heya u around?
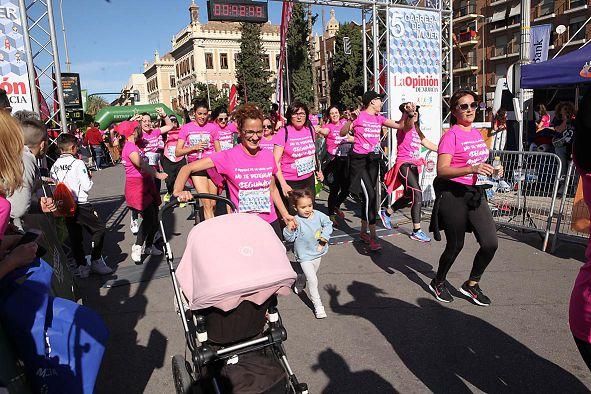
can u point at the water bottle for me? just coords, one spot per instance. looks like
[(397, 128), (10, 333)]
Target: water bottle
[(496, 164)]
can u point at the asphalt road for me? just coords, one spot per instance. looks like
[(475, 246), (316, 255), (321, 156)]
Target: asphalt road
[(384, 332)]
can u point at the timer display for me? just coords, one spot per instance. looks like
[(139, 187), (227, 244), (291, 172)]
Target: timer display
[(237, 11)]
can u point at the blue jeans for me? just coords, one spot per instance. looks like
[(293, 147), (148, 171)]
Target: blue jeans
[(98, 155)]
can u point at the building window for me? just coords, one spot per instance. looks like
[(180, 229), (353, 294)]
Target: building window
[(192, 63), (266, 60), (209, 61), (574, 25), (546, 7), (224, 61), (577, 3), (277, 60), (236, 55), (172, 81)]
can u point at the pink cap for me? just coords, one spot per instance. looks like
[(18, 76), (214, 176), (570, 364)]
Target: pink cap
[(126, 128)]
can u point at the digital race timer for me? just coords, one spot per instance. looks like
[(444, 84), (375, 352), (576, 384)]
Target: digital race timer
[(237, 11)]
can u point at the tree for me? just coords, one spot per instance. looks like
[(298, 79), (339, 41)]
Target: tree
[(252, 68), (95, 104), (215, 97), (347, 70), (298, 56)]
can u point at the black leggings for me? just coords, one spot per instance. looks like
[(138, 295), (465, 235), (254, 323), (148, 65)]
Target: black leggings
[(339, 188), (585, 350), (413, 196), (457, 218), (172, 170), (364, 176), (149, 226)]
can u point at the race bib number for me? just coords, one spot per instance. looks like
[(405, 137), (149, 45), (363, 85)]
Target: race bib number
[(225, 145), (343, 149), (305, 165), (171, 152), (194, 139), (254, 201), (376, 149), (152, 158)]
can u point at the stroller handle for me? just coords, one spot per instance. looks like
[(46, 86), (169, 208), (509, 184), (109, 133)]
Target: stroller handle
[(174, 202)]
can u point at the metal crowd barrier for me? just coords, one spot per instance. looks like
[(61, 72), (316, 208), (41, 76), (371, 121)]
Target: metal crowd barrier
[(525, 197), (569, 210)]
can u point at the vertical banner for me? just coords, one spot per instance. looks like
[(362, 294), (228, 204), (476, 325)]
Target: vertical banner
[(285, 18), (414, 74), (13, 62), (540, 42)]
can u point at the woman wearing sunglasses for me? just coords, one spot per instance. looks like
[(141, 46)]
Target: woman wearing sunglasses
[(268, 140), (248, 171), (461, 204), (224, 130)]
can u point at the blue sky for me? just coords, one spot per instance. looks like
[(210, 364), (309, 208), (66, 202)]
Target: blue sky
[(108, 41)]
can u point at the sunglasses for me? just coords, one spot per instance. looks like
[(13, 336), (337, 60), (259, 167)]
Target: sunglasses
[(223, 119), (265, 126), (464, 107)]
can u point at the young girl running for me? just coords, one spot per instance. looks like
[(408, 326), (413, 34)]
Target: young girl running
[(310, 239)]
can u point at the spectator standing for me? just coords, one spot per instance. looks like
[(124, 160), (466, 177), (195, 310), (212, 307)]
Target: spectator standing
[(94, 139)]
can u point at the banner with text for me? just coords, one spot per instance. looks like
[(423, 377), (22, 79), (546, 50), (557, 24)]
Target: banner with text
[(414, 73), (13, 64), (540, 42)]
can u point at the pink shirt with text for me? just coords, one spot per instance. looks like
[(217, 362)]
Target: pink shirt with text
[(192, 134), (268, 144), (409, 146), (225, 136), (170, 147), (334, 141), (298, 161), (131, 171), (366, 133), (152, 140), (249, 179), (467, 148)]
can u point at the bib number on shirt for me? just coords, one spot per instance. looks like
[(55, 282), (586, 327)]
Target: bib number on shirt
[(171, 151), (194, 139), (376, 149), (258, 200), (305, 165), (343, 149), (225, 145), (152, 158)]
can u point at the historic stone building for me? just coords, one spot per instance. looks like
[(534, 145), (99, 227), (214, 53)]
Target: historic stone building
[(161, 80)]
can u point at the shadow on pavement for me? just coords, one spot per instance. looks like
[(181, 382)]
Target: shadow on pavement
[(445, 348), (344, 381)]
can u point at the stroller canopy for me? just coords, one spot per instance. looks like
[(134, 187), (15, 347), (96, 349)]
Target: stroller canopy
[(232, 258)]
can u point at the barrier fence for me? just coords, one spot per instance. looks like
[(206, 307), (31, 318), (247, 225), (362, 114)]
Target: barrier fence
[(572, 222), (524, 198)]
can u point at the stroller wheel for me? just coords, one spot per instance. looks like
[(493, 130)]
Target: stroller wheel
[(183, 382)]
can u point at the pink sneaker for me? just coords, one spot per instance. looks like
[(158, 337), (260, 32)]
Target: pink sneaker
[(374, 246), (365, 238)]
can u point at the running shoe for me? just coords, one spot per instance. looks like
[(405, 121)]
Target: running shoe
[(475, 294), (339, 213), (420, 236), (319, 311), (134, 226), (300, 284), (82, 271), (374, 245), (365, 237), (440, 291), (100, 267), (386, 220), (136, 253), (153, 251)]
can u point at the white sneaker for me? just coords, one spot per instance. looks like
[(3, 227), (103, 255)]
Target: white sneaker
[(319, 311), (153, 251), (134, 226), (136, 253), (82, 271), (100, 267)]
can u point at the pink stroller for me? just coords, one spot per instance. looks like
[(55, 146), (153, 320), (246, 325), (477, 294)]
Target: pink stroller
[(226, 288)]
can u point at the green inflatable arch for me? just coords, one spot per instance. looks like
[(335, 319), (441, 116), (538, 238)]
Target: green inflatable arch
[(108, 115)]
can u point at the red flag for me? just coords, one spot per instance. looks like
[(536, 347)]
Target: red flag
[(232, 99)]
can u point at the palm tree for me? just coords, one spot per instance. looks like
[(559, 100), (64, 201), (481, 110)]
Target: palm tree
[(95, 104)]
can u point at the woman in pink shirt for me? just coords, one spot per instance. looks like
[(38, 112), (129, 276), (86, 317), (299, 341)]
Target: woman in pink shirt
[(171, 164), (268, 140), (196, 142), (224, 130), (140, 190), (336, 165), (152, 141), (580, 299), (366, 159), (461, 204), (248, 170)]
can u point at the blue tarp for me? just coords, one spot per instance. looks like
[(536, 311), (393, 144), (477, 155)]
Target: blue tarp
[(574, 68)]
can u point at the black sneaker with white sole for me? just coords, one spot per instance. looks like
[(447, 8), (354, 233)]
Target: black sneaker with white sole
[(300, 284), (475, 294), (440, 291)]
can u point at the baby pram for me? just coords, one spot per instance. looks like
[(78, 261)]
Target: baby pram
[(226, 284)]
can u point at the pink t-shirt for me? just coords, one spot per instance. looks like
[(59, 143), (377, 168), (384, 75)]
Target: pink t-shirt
[(170, 147), (131, 171), (192, 134), (249, 180), (335, 144), (224, 136), (152, 140), (409, 146), (467, 148), (4, 215), (268, 144), (298, 161), (366, 133), (545, 120), (313, 120), (579, 313)]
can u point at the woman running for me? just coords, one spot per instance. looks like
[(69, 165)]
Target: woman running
[(152, 141), (223, 138), (268, 140), (196, 142), (460, 204), (171, 164), (365, 160), (248, 170), (409, 138), (336, 163), (295, 152)]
